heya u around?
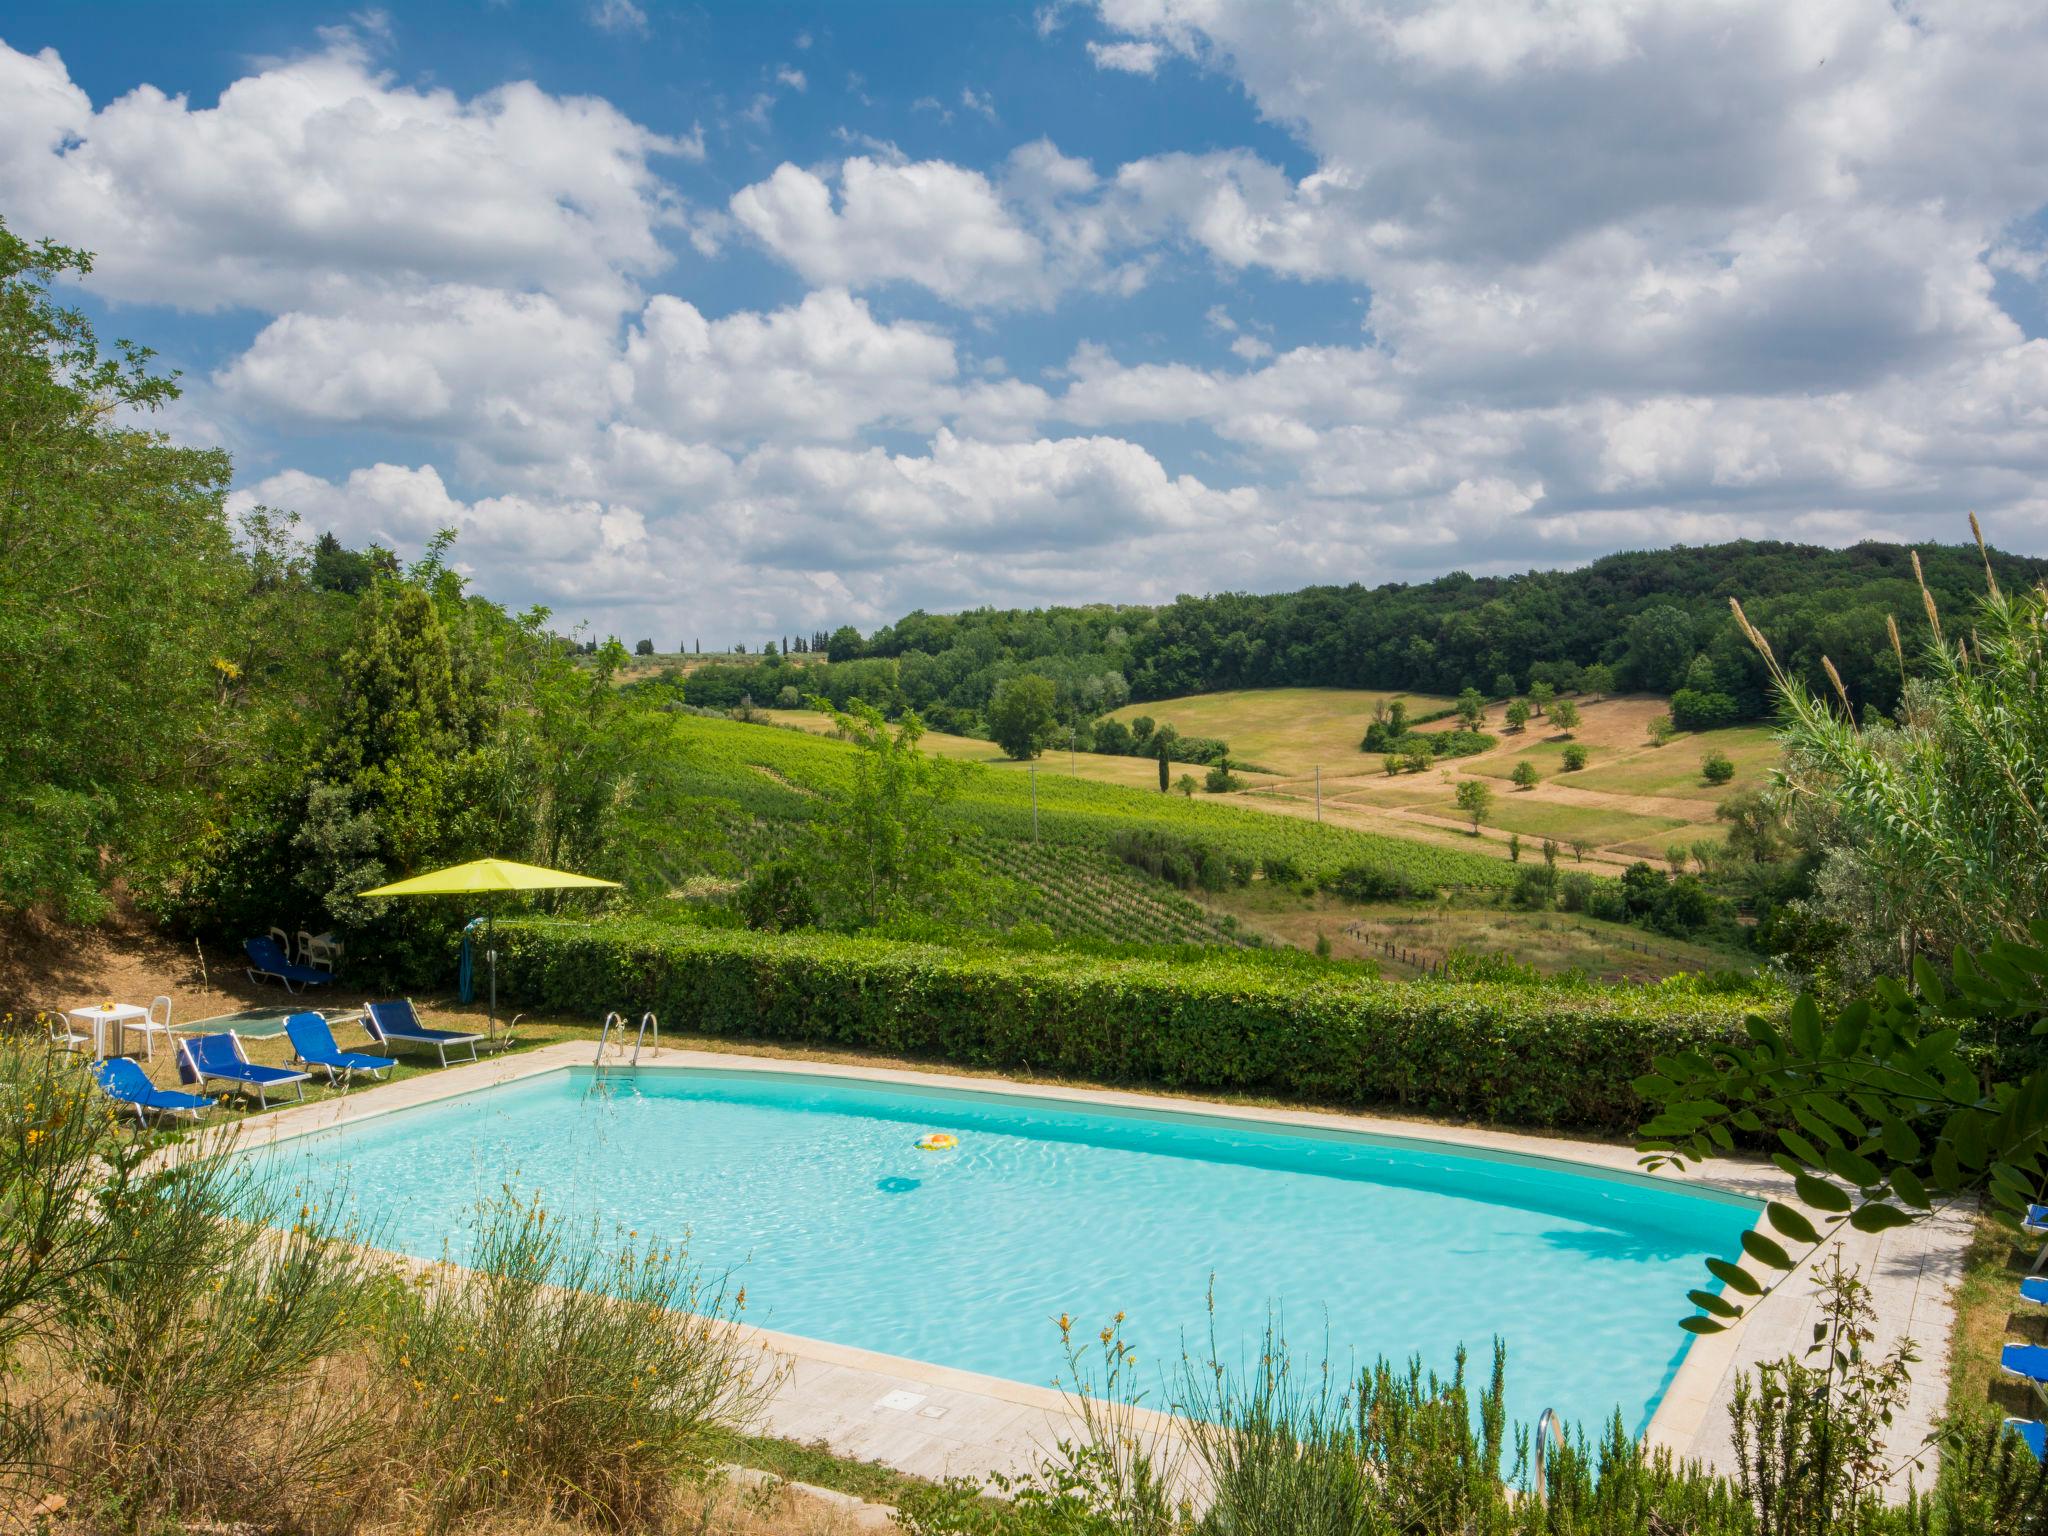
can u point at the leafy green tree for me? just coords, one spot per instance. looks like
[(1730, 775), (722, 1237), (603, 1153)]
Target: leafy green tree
[(1574, 757), (1113, 737), (1504, 685), (1661, 730), (120, 570), (1514, 847), (1564, 714), (337, 568), (1716, 766), (883, 849), (1525, 775), (1518, 714), (1164, 770), (1417, 759), (643, 647), (1597, 680), (1186, 785), (1660, 648), (1933, 824), (1540, 695), (1475, 799), (845, 644), (776, 900), (1471, 708), (1022, 715), (1903, 1101)]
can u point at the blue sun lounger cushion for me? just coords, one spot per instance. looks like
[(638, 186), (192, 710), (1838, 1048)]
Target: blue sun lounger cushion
[(220, 1058), (313, 1045), (267, 958), (126, 1083), (2031, 1433), (395, 1021)]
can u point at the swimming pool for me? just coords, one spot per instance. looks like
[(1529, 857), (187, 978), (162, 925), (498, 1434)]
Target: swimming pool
[(812, 1191)]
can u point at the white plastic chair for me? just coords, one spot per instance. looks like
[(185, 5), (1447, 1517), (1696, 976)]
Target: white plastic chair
[(158, 1023), (284, 941), (322, 950), (304, 954), (64, 1032)]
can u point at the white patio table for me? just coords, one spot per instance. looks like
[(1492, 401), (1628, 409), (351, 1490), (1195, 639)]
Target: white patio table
[(100, 1016)]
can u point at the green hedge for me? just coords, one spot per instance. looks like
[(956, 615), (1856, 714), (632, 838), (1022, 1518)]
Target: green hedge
[(1234, 1023)]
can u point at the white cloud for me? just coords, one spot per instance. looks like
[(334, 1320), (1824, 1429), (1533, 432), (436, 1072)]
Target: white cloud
[(983, 102), (929, 222), (619, 16), (1128, 58), (792, 77), (317, 173)]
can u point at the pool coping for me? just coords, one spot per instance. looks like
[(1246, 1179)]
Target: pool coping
[(934, 1420)]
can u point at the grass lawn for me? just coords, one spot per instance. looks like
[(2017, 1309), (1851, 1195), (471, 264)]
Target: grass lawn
[(1675, 769), (1289, 730), (1988, 1317), (1551, 942), (1547, 753), (1596, 826), (1131, 772)]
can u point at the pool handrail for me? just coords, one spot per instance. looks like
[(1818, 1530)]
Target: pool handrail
[(647, 1021)]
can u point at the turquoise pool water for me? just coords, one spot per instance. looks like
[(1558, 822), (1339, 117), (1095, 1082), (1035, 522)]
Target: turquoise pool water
[(812, 1192)]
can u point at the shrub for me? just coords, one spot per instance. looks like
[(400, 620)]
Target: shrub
[(776, 899), (580, 1377), (1535, 886), (1221, 781), (1225, 1021), (1280, 869), (1575, 892), (1369, 882), (211, 1359), (1694, 710), (1661, 730), (1574, 757), (1717, 767)]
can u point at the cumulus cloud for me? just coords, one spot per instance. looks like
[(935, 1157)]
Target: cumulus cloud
[(927, 222), (318, 172), (1128, 58), (1595, 276)]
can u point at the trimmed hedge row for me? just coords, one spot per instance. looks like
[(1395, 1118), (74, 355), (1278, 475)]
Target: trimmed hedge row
[(1233, 1023)]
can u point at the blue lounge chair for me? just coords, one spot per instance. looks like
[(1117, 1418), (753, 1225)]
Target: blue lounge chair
[(2026, 1362), (126, 1083), (396, 1023), (313, 1046), (2035, 1289), (220, 1058), (267, 958), (2031, 1433)]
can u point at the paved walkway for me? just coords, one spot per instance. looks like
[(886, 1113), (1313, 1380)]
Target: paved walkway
[(934, 1421)]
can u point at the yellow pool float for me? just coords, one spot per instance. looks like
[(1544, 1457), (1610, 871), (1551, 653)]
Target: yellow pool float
[(937, 1141)]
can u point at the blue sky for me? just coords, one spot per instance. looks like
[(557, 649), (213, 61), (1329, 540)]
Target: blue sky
[(732, 320)]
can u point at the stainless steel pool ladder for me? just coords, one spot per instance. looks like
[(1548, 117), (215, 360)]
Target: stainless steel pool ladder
[(647, 1022)]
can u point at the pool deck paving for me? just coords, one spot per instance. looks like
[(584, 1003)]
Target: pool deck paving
[(935, 1421)]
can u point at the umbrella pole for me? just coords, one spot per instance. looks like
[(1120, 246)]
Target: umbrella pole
[(491, 949)]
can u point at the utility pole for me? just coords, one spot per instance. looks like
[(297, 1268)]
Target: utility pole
[(1319, 791), (1034, 802)]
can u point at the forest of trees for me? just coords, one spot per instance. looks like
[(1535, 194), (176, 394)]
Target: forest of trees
[(1658, 620)]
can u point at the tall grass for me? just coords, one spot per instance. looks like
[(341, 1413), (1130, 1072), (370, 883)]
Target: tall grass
[(565, 1374), (192, 1336)]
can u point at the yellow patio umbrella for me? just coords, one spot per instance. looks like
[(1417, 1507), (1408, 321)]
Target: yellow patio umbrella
[(481, 876)]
